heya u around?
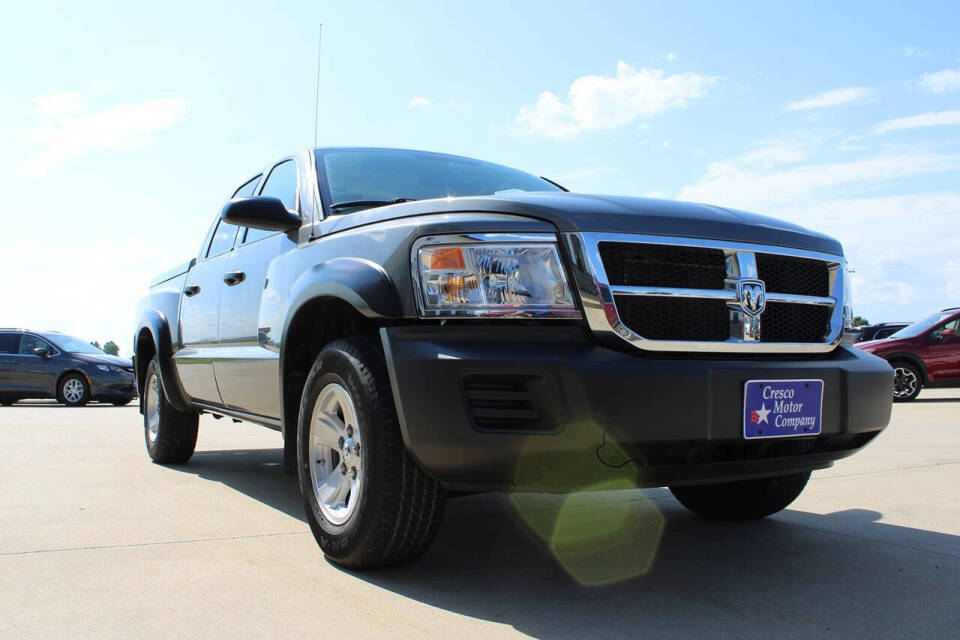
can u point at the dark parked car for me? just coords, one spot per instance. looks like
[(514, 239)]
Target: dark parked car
[(47, 364), (924, 354), (416, 322), (879, 331)]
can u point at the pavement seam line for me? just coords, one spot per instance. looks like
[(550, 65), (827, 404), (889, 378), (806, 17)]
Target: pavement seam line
[(151, 544), (891, 470)]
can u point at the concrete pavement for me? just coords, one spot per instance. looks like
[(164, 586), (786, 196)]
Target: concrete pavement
[(95, 541)]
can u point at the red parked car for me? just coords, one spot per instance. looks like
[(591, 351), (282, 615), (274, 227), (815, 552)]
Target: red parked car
[(925, 354)]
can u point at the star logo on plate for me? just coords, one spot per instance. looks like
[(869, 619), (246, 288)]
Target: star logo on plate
[(760, 415)]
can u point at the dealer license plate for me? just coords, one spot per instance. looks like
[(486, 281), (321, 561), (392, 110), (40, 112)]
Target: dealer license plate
[(782, 408)]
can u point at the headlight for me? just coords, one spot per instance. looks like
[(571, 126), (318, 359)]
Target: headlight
[(108, 368), (492, 275)]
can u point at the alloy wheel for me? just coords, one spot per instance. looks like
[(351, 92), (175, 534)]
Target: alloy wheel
[(904, 383), (152, 408), (336, 469), (73, 390)]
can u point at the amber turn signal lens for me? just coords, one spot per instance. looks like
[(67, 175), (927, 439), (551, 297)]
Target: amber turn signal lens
[(442, 258)]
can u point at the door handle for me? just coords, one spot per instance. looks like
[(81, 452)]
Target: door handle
[(191, 290), (234, 277)]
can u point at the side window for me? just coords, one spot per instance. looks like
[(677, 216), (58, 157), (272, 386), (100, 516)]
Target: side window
[(281, 183), (9, 342), (247, 189), (28, 343), (222, 240), (953, 324)]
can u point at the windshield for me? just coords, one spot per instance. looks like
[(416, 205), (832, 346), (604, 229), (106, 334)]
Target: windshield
[(74, 345), (919, 327), (369, 177)]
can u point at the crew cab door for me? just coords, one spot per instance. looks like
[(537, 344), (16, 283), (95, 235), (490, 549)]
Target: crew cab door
[(247, 373), (200, 314), (942, 354)]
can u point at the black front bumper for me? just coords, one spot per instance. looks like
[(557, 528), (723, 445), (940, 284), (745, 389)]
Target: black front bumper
[(547, 408)]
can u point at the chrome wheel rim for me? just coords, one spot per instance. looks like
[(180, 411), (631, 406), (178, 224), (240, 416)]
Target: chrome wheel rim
[(336, 470), (904, 383), (73, 390), (152, 408)]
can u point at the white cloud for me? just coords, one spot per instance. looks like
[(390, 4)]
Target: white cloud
[(832, 98), (665, 144), (746, 182), (915, 52), (419, 101), (66, 134), (596, 103), (932, 119), (940, 82), (57, 104), (670, 57)]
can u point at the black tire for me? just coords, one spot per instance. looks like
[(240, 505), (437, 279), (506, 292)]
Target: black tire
[(70, 399), (175, 435), (400, 507), (907, 381), (743, 500), (121, 403)]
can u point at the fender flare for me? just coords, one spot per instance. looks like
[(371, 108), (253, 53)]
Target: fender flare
[(158, 327), (361, 283), (912, 359)]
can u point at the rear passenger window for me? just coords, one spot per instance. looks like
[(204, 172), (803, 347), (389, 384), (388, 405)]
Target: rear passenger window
[(222, 238), (9, 342), (281, 183)]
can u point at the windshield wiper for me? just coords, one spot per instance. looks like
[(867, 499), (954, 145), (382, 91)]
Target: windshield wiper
[(350, 204)]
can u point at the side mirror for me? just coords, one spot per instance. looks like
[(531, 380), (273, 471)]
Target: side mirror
[(948, 334), (42, 352), (261, 212)]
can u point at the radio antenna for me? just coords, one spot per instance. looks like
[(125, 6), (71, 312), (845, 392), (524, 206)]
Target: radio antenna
[(316, 108)]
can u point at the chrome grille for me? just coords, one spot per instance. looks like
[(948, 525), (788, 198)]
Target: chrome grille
[(687, 294)]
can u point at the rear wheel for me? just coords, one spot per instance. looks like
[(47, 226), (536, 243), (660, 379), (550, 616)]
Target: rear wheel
[(171, 435), (743, 500), (906, 382), (366, 500), (73, 390)]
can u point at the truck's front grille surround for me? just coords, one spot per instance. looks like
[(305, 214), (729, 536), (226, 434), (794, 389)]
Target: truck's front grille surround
[(666, 294)]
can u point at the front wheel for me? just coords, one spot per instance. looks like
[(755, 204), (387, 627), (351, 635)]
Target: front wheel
[(742, 500), (73, 390), (366, 500), (906, 382), (171, 435)]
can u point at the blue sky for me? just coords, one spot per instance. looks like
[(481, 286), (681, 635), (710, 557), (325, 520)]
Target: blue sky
[(124, 126)]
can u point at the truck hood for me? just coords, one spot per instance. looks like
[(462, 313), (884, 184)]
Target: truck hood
[(616, 214)]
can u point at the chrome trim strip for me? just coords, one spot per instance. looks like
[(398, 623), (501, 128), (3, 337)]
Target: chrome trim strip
[(533, 311), (600, 311), (727, 295), (795, 299)]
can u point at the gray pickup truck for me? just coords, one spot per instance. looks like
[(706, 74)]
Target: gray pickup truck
[(415, 323)]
